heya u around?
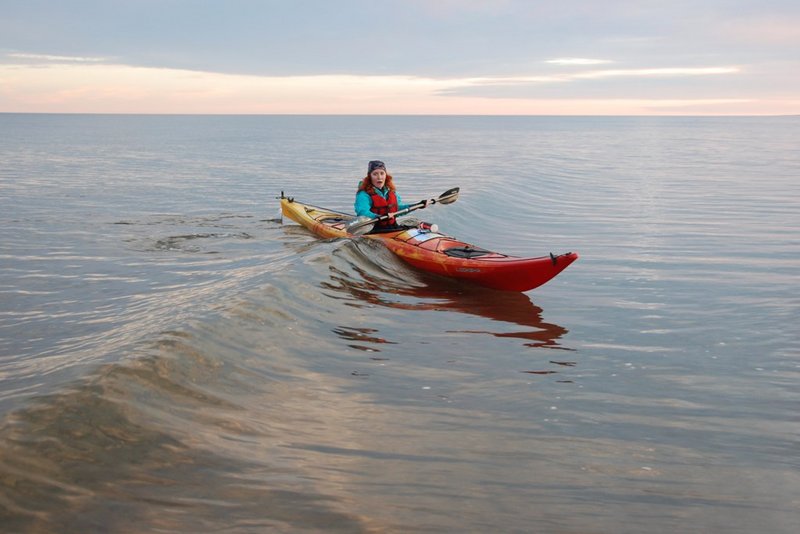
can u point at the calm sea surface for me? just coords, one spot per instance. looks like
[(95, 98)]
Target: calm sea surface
[(173, 358)]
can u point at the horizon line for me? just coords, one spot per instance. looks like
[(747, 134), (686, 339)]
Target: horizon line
[(211, 114)]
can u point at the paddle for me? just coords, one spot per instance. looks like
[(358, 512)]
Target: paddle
[(362, 226)]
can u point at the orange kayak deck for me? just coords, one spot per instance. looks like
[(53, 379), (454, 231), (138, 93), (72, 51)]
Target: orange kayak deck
[(438, 253)]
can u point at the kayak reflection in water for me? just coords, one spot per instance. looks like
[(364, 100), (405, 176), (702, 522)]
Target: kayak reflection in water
[(377, 196), (369, 288)]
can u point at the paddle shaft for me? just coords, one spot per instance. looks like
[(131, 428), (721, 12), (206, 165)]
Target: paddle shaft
[(447, 197)]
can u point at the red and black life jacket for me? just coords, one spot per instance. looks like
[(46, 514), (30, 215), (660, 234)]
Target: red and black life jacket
[(384, 206)]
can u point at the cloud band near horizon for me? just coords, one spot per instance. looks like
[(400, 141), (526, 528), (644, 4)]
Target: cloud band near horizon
[(53, 83)]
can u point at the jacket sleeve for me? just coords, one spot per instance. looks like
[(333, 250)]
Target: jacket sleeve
[(363, 205)]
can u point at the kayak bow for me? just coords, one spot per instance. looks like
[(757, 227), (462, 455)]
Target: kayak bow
[(437, 253)]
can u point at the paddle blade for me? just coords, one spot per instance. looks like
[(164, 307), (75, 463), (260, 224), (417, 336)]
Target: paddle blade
[(449, 196), (360, 225)]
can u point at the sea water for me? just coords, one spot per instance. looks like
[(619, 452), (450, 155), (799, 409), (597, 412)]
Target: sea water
[(174, 357)]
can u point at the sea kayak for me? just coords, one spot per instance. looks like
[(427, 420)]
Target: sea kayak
[(438, 253)]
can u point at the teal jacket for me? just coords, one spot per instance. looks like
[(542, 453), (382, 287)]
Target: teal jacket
[(363, 205)]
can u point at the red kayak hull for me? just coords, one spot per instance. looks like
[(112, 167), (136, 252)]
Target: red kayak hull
[(440, 254)]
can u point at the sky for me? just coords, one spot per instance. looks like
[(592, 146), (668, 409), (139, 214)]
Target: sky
[(443, 57)]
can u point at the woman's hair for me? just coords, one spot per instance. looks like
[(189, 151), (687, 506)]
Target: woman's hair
[(366, 184)]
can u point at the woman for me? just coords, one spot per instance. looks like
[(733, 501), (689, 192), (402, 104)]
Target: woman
[(377, 196)]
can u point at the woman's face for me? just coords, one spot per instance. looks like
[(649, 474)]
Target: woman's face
[(378, 177)]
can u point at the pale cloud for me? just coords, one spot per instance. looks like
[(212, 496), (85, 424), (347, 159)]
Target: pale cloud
[(53, 58), (762, 30), (577, 61), (103, 88), (662, 72), (448, 8), (678, 72)]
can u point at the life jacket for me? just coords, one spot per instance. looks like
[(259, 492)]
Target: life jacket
[(384, 206)]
